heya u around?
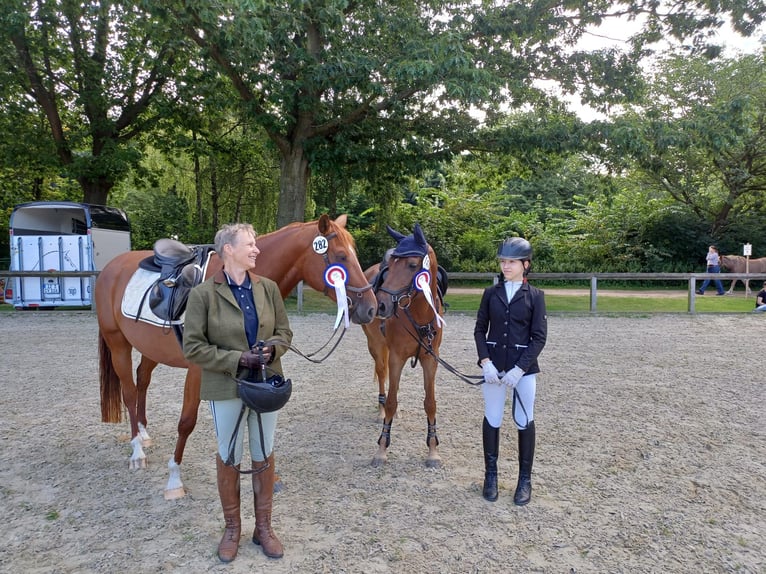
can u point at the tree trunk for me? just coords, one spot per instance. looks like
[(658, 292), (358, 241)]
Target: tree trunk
[(293, 184), (95, 192), (214, 194)]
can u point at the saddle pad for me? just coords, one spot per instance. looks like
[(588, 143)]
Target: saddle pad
[(139, 284)]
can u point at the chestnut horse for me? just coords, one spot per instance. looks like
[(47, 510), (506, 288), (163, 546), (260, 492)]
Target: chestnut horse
[(739, 264), (294, 253), (408, 326)]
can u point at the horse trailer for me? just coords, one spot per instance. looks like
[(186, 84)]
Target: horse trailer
[(55, 236)]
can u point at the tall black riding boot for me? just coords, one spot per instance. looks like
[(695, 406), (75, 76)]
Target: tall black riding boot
[(526, 456), (491, 438)]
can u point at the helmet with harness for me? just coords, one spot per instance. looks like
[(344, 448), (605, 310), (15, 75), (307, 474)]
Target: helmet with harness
[(265, 394), (515, 248)]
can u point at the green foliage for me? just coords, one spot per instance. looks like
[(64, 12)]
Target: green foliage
[(93, 71), (158, 214), (699, 137)]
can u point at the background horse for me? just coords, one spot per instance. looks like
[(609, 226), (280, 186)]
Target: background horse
[(408, 326), (289, 255), (739, 264)]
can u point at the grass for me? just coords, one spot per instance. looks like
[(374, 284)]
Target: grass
[(314, 302)]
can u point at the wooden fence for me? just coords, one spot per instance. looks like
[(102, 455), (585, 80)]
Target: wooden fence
[(591, 278)]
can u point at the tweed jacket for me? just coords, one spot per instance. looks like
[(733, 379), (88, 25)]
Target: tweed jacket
[(214, 331), (511, 333)]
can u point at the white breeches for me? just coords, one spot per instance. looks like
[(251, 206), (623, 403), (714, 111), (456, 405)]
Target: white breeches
[(523, 402), (225, 415)]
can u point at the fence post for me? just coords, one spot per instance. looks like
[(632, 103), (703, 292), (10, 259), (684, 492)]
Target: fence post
[(692, 292), (593, 293), (299, 294), (92, 281)]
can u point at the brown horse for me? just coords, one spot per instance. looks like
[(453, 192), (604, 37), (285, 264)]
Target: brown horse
[(297, 252), (409, 326), (740, 264)]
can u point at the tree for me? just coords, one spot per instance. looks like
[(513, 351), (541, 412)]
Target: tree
[(93, 69), (700, 135), (366, 85)]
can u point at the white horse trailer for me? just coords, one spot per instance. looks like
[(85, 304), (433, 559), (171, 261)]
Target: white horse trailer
[(55, 236)]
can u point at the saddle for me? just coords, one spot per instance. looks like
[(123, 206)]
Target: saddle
[(181, 267)]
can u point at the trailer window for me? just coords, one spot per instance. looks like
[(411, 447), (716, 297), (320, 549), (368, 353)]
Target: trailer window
[(109, 218), (79, 227)]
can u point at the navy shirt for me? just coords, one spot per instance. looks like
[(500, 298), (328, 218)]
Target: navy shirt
[(244, 296)]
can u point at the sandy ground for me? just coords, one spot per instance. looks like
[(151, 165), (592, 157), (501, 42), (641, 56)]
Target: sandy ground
[(650, 458)]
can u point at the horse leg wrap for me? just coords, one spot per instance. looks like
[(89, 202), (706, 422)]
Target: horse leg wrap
[(382, 399), (385, 434), (432, 434)]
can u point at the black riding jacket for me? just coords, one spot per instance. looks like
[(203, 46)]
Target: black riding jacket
[(511, 334)]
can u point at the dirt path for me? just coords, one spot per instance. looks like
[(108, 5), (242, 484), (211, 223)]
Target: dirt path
[(650, 459)]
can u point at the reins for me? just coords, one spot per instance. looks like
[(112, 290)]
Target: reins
[(473, 380), (406, 293), (233, 441), (309, 356)]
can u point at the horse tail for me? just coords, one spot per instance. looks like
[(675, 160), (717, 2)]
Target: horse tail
[(111, 392)]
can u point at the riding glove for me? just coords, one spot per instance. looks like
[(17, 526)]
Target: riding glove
[(255, 359), (490, 373), (512, 377)]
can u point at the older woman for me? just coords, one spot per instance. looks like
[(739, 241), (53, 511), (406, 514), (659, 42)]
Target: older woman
[(226, 317)]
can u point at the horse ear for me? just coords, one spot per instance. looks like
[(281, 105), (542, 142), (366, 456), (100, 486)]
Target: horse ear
[(419, 235), (324, 224), (341, 220), (395, 234)]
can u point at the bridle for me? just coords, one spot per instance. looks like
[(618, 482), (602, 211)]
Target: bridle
[(423, 334), (359, 291)]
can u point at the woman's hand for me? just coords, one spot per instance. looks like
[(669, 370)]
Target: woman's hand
[(256, 357)]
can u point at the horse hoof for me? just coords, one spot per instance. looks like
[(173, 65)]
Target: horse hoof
[(433, 463), (138, 464), (377, 462), (174, 493)]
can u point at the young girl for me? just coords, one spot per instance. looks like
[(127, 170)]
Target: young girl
[(511, 330)]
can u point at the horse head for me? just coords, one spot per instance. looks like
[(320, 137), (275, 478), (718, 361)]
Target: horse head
[(335, 256), (404, 276)]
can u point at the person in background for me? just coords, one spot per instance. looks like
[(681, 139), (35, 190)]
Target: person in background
[(510, 332), (760, 300), (713, 266), (226, 317)]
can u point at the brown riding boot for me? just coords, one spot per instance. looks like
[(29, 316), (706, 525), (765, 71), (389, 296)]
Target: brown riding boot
[(263, 491), (228, 490)]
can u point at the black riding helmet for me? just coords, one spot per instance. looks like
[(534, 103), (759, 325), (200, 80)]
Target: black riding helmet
[(265, 395), (515, 248)]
